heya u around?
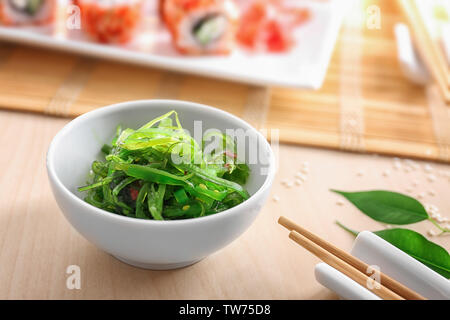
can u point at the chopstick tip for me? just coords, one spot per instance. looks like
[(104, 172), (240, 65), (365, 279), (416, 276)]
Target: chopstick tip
[(285, 222)]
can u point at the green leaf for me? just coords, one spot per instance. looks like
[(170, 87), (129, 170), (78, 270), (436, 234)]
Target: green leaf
[(387, 207), (351, 231), (418, 247)]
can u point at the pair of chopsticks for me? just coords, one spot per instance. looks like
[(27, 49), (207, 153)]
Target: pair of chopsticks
[(352, 267), (429, 49)]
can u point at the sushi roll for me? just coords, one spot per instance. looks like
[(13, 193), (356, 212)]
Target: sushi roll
[(269, 25), (110, 21), (27, 12), (201, 26)]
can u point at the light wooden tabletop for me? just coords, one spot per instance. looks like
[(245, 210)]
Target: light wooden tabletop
[(37, 244)]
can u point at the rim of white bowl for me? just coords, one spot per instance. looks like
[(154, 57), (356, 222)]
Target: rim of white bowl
[(142, 103)]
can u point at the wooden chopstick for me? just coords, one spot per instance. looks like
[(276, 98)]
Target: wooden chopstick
[(354, 262), (424, 46), (434, 46)]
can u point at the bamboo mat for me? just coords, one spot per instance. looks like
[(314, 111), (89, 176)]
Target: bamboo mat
[(365, 104)]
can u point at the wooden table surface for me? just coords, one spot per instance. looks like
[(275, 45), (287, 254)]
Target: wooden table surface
[(37, 244)]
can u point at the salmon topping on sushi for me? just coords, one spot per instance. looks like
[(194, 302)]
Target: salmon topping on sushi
[(268, 25), (110, 21)]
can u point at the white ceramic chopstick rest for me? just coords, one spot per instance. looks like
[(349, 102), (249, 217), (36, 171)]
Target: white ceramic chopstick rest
[(446, 40), (410, 62), (338, 282), (395, 263)]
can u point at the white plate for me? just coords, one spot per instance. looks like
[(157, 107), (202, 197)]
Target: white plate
[(304, 66)]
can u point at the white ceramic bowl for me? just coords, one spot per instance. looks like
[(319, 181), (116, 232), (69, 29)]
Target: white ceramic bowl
[(148, 243)]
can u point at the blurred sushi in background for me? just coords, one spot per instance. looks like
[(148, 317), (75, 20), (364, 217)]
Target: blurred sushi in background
[(27, 12), (110, 21), (268, 25), (201, 26), (196, 27)]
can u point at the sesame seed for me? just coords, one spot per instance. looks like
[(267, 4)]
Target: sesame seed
[(408, 190), (415, 183), (409, 162), (289, 184), (298, 182), (386, 173), (431, 193), (300, 176), (186, 207), (434, 208), (421, 195), (431, 178), (360, 173), (412, 164), (397, 165), (340, 202), (305, 170), (431, 233), (276, 198), (201, 185), (427, 168)]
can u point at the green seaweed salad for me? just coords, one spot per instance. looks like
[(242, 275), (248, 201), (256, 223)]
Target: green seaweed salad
[(160, 172)]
